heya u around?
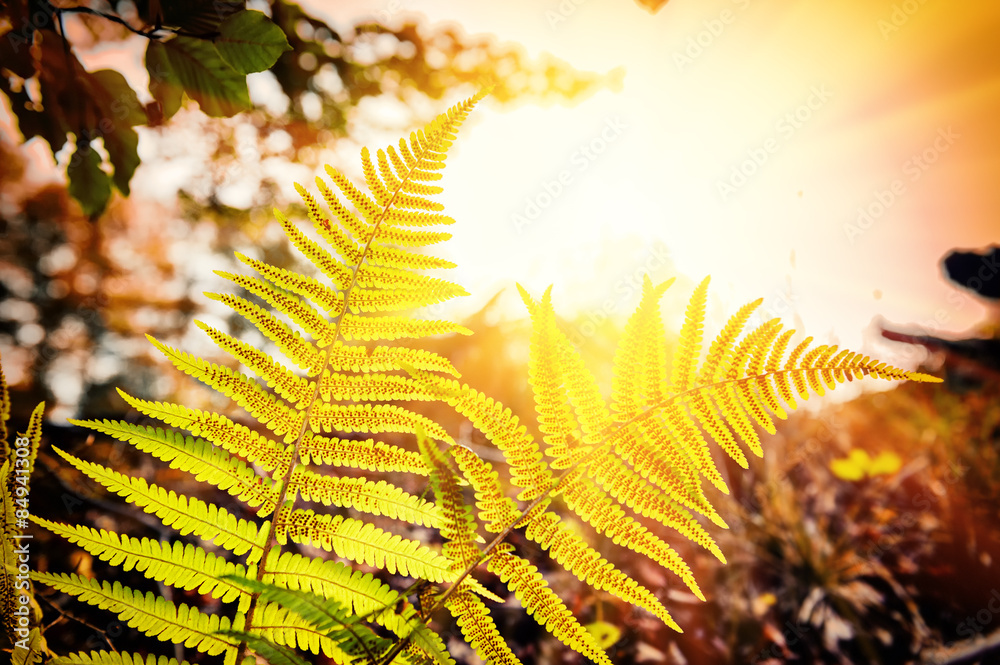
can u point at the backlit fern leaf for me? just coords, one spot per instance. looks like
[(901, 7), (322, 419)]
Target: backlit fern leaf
[(152, 615), (344, 396), (373, 270), (114, 658)]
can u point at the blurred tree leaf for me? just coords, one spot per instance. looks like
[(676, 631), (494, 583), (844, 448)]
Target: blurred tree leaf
[(116, 98), (249, 42), (205, 50), (605, 633), (123, 150), (191, 16), (164, 85), (219, 89), (88, 184), (63, 256), (859, 464)]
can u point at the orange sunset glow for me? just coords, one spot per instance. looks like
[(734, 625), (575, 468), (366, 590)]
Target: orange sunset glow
[(872, 125)]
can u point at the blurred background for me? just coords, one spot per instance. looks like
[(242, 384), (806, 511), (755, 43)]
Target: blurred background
[(824, 156)]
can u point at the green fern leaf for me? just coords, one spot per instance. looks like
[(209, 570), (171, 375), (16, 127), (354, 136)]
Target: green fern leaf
[(114, 658), (152, 615), (182, 566), (187, 515)]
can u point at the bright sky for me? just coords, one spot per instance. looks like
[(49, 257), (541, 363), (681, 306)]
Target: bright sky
[(748, 141), (747, 138)]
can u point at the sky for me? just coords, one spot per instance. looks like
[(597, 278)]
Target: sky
[(821, 155)]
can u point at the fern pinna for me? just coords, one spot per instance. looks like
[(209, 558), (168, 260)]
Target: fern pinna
[(608, 465)]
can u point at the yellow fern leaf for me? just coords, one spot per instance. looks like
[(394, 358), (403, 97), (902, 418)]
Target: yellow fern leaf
[(527, 584), (476, 624)]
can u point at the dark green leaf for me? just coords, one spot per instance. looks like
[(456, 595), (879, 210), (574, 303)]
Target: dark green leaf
[(322, 613), (197, 66), (116, 99), (272, 653), (65, 107), (250, 42), (88, 184), (164, 85), (195, 16), (122, 146)]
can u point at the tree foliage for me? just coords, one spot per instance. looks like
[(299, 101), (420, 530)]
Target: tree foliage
[(204, 52), (70, 295)]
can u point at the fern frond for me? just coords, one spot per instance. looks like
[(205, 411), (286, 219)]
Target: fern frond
[(388, 328), (566, 547), (382, 254), (366, 496), (495, 510), (334, 618), (283, 627), (245, 392), (631, 490), (334, 269), (501, 427), (569, 550), (394, 300), (372, 419), (650, 448), (365, 543), (310, 288), (182, 566), (272, 654), (301, 313), (608, 518), (538, 599), (360, 229), (479, 630), (197, 456), (222, 431), (556, 420), (152, 615), (457, 524), (367, 454), (357, 358), (114, 658), (290, 342), (609, 465), (376, 387), (689, 345), (187, 515), (362, 593), (412, 218), (284, 382), (403, 237)]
